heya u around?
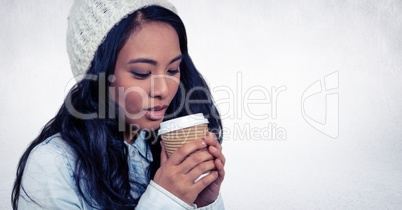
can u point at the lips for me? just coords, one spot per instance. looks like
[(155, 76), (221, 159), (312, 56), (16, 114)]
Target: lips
[(156, 112)]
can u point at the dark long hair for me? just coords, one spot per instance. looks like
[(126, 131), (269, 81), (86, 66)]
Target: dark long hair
[(101, 155)]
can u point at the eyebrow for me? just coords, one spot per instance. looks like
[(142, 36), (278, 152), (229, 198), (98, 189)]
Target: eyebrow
[(153, 62)]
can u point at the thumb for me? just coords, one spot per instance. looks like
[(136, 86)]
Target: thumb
[(164, 156)]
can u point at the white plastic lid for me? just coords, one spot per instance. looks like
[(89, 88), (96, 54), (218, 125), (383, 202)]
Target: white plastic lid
[(182, 122)]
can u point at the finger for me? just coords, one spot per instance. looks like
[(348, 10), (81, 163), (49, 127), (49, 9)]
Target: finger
[(212, 140), (201, 169), (205, 181), (195, 159), (221, 171), (164, 155), (217, 154), (184, 151)]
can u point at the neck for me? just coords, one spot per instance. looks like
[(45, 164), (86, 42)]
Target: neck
[(130, 135)]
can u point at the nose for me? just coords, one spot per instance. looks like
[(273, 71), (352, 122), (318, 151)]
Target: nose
[(159, 87)]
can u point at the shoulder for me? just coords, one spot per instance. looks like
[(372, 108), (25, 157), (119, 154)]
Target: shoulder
[(51, 157), (55, 144), (48, 177)]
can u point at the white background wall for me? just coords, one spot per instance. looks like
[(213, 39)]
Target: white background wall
[(262, 45)]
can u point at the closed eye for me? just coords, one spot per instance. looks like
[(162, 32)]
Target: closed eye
[(173, 72), (141, 75)]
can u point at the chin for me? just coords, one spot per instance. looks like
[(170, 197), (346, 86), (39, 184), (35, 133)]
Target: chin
[(150, 124), (153, 126)]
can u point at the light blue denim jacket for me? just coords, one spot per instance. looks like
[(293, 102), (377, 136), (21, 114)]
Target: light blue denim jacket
[(48, 181)]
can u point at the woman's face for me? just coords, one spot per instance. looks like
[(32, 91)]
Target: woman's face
[(147, 74)]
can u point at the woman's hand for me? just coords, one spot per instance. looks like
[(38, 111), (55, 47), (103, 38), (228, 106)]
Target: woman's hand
[(178, 173), (211, 192)]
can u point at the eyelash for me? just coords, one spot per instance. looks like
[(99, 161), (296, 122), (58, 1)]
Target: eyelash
[(146, 75), (141, 76), (173, 72)]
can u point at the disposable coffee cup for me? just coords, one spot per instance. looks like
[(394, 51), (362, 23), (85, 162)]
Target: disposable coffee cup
[(179, 131)]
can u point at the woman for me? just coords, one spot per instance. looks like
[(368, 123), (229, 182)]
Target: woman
[(100, 151)]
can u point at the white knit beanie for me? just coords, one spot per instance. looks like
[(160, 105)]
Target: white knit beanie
[(90, 21)]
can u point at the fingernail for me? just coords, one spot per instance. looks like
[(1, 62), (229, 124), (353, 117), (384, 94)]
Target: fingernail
[(203, 142)]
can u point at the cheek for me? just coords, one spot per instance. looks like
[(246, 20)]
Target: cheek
[(174, 85), (135, 99), (130, 98)]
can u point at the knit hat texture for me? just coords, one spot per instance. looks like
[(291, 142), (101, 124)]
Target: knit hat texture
[(90, 21)]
